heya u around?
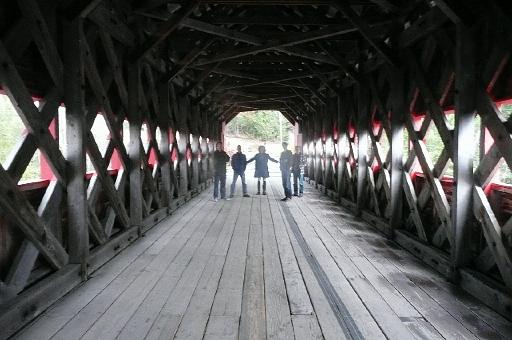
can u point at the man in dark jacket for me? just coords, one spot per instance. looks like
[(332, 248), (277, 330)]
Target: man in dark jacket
[(285, 165), (220, 158), (238, 163)]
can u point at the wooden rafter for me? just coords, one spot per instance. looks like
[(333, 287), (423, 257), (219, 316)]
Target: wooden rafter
[(163, 32)]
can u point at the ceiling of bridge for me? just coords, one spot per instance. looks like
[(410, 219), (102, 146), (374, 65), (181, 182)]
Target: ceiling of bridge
[(284, 55), (287, 55)]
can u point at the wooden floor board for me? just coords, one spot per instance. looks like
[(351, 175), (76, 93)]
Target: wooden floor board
[(479, 325), (65, 309), (279, 323), (365, 322), (378, 304), (298, 297), (442, 321), (330, 328), (179, 299), (195, 319), (252, 319), (97, 320), (258, 268)]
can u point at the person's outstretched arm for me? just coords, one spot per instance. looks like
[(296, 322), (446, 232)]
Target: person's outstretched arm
[(250, 160), (273, 160)]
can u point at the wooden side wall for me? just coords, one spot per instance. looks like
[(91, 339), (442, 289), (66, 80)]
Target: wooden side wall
[(447, 84), (55, 233)]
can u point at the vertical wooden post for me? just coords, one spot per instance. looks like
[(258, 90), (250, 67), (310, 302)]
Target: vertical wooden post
[(397, 139), (183, 163), (362, 145), (342, 136), (165, 151), (134, 150), (194, 145), (317, 125), (465, 110), (204, 160), (78, 235)]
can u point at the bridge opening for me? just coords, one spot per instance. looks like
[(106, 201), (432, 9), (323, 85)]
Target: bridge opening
[(252, 129)]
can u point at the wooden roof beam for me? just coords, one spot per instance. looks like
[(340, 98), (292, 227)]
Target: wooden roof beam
[(276, 80), (307, 103), (386, 5), (80, 8), (221, 31), (229, 72), (209, 91), (272, 20), (322, 78), (255, 2), (252, 40), (288, 116), (365, 31), (202, 76), (314, 91), (296, 40), (183, 63), (167, 28), (280, 98), (344, 66)]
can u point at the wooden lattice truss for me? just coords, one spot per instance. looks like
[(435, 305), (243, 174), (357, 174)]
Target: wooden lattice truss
[(409, 102), (99, 206)]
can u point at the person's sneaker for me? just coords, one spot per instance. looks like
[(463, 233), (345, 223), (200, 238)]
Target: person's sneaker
[(231, 196), (247, 195), (258, 193), (216, 199), (264, 192), (228, 199), (295, 194), (284, 199)]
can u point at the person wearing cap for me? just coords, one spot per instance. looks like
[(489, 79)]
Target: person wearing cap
[(285, 165)]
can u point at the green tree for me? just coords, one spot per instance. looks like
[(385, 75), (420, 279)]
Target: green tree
[(261, 125)]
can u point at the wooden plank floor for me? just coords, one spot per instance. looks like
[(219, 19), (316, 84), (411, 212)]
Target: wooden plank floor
[(257, 268)]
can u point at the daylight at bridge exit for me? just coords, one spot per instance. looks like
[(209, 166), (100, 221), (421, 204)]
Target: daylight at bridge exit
[(255, 169)]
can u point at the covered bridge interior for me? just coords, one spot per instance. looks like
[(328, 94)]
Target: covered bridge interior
[(403, 108)]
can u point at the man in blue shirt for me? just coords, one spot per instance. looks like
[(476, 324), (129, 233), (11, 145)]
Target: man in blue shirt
[(238, 163)]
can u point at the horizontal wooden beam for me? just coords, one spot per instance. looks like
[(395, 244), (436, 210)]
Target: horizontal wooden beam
[(163, 32), (184, 62), (297, 39), (276, 80), (365, 31)]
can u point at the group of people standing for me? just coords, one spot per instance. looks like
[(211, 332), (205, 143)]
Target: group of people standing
[(289, 164)]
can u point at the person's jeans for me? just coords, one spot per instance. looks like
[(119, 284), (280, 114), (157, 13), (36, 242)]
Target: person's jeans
[(287, 185), (235, 178), (298, 182), (219, 180)]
